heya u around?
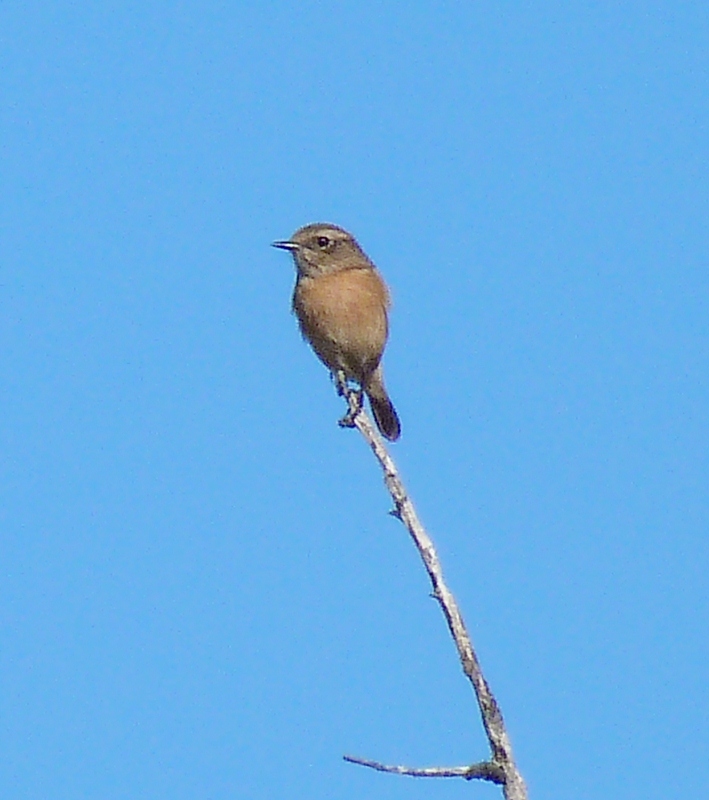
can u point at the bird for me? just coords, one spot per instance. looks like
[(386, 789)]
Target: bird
[(341, 303)]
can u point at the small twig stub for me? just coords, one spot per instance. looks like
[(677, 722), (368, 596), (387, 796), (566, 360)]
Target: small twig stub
[(484, 770)]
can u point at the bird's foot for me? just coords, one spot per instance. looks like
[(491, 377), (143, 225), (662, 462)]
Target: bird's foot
[(355, 399)]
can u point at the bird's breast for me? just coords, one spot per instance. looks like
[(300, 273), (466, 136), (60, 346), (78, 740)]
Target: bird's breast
[(344, 316)]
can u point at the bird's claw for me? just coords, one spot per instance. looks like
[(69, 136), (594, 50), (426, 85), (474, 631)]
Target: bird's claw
[(355, 399)]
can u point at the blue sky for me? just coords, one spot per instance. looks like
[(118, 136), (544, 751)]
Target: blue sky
[(201, 594)]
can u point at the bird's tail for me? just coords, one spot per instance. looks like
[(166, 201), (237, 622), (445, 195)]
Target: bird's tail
[(384, 412)]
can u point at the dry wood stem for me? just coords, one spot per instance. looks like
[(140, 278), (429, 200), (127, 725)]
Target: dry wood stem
[(501, 768)]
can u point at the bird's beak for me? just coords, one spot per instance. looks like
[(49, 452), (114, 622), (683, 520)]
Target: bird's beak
[(286, 245)]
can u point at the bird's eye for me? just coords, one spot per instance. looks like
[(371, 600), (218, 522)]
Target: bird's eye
[(323, 241)]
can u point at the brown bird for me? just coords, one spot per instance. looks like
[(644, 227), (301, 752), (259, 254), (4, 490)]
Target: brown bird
[(341, 303)]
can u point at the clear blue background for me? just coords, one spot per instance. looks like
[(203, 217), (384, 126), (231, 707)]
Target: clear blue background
[(201, 594)]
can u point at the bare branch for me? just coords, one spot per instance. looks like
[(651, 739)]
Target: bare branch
[(500, 745), (484, 770)]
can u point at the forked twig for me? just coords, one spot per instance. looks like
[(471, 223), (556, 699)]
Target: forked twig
[(501, 768)]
